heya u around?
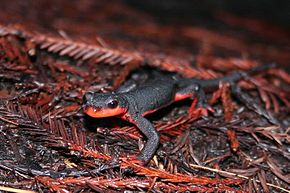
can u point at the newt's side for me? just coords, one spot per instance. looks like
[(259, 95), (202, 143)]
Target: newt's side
[(132, 103)]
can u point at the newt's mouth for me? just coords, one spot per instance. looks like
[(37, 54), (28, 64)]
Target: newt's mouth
[(100, 112)]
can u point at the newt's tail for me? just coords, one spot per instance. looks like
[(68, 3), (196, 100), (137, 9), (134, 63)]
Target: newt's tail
[(235, 76)]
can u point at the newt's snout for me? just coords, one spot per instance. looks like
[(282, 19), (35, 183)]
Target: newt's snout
[(88, 97), (92, 111), (100, 112), (100, 105)]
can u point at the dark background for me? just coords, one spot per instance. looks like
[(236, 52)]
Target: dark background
[(166, 10), (261, 26), (193, 10)]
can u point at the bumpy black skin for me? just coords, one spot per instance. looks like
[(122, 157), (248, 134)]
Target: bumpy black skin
[(157, 91)]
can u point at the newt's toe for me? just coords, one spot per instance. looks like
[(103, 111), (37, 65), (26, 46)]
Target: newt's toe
[(202, 110)]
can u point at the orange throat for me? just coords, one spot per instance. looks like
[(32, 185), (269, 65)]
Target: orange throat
[(104, 112)]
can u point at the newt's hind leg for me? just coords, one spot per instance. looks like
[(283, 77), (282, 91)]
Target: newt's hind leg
[(199, 104)]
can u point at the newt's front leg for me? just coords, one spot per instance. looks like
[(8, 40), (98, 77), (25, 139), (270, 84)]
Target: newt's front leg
[(150, 132)]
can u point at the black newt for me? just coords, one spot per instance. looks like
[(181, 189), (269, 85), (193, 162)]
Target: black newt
[(132, 103)]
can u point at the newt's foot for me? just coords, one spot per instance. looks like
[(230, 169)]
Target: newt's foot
[(202, 109), (142, 159), (135, 160)]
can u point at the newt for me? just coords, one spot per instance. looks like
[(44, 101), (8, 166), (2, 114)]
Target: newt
[(133, 102)]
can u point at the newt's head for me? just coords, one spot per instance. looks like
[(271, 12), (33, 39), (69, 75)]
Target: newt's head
[(100, 105)]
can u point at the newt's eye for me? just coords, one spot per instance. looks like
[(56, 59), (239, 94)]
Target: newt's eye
[(113, 104)]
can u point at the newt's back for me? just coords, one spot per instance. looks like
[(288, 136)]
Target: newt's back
[(157, 91)]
